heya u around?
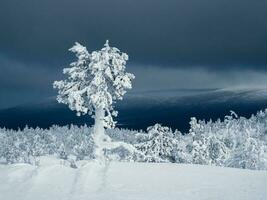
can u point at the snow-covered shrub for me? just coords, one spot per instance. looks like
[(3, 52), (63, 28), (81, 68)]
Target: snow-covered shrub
[(207, 147), (160, 145), (27, 144), (248, 155), (217, 150), (24, 146), (233, 142), (182, 153)]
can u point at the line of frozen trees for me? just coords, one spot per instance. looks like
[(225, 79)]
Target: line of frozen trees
[(233, 142)]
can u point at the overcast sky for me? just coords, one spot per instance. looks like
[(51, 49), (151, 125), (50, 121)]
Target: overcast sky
[(171, 43)]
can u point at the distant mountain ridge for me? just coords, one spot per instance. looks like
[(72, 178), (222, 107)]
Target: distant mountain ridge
[(139, 110)]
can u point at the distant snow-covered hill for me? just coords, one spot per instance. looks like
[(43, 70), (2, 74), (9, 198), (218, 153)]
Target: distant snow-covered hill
[(172, 108), (54, 180)]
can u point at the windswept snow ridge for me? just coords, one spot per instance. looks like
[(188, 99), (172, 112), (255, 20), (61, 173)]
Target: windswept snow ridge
[(54, 180)]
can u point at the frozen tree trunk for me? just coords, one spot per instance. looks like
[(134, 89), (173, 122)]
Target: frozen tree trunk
[(103, 141), (99, 133)]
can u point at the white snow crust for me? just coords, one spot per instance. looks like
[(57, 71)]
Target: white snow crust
[(54, 179)]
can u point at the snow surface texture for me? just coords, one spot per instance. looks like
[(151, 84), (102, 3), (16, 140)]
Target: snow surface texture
[(53, 179)]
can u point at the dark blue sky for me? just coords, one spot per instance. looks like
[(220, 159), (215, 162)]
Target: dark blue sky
[(171, 44)]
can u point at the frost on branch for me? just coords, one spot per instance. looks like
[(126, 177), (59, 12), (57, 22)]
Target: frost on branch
[(95, 81)]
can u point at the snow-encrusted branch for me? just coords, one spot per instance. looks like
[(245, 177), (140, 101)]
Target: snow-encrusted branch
[(95, 80)]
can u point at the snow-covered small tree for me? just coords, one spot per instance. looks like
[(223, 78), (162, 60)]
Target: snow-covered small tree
[(218, 151), (94, 83), (199, 143), (160, 145), (249, 155), (182, 152)]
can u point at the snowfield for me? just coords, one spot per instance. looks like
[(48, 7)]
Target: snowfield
[(54, 179)]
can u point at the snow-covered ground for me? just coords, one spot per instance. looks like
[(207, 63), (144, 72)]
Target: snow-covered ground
[(55, 180)]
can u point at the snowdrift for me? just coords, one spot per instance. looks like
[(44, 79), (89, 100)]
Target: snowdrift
[(54, 179)]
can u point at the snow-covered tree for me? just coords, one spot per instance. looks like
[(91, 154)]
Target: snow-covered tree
[(94, 83), (199, 142), (160, 146), (218, 151), (182, 152), (207, 146), (250, 154)]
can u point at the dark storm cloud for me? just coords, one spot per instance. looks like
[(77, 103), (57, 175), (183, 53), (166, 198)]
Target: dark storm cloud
[(158, 78), (172, 43), (217, 33), (23, 82)]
